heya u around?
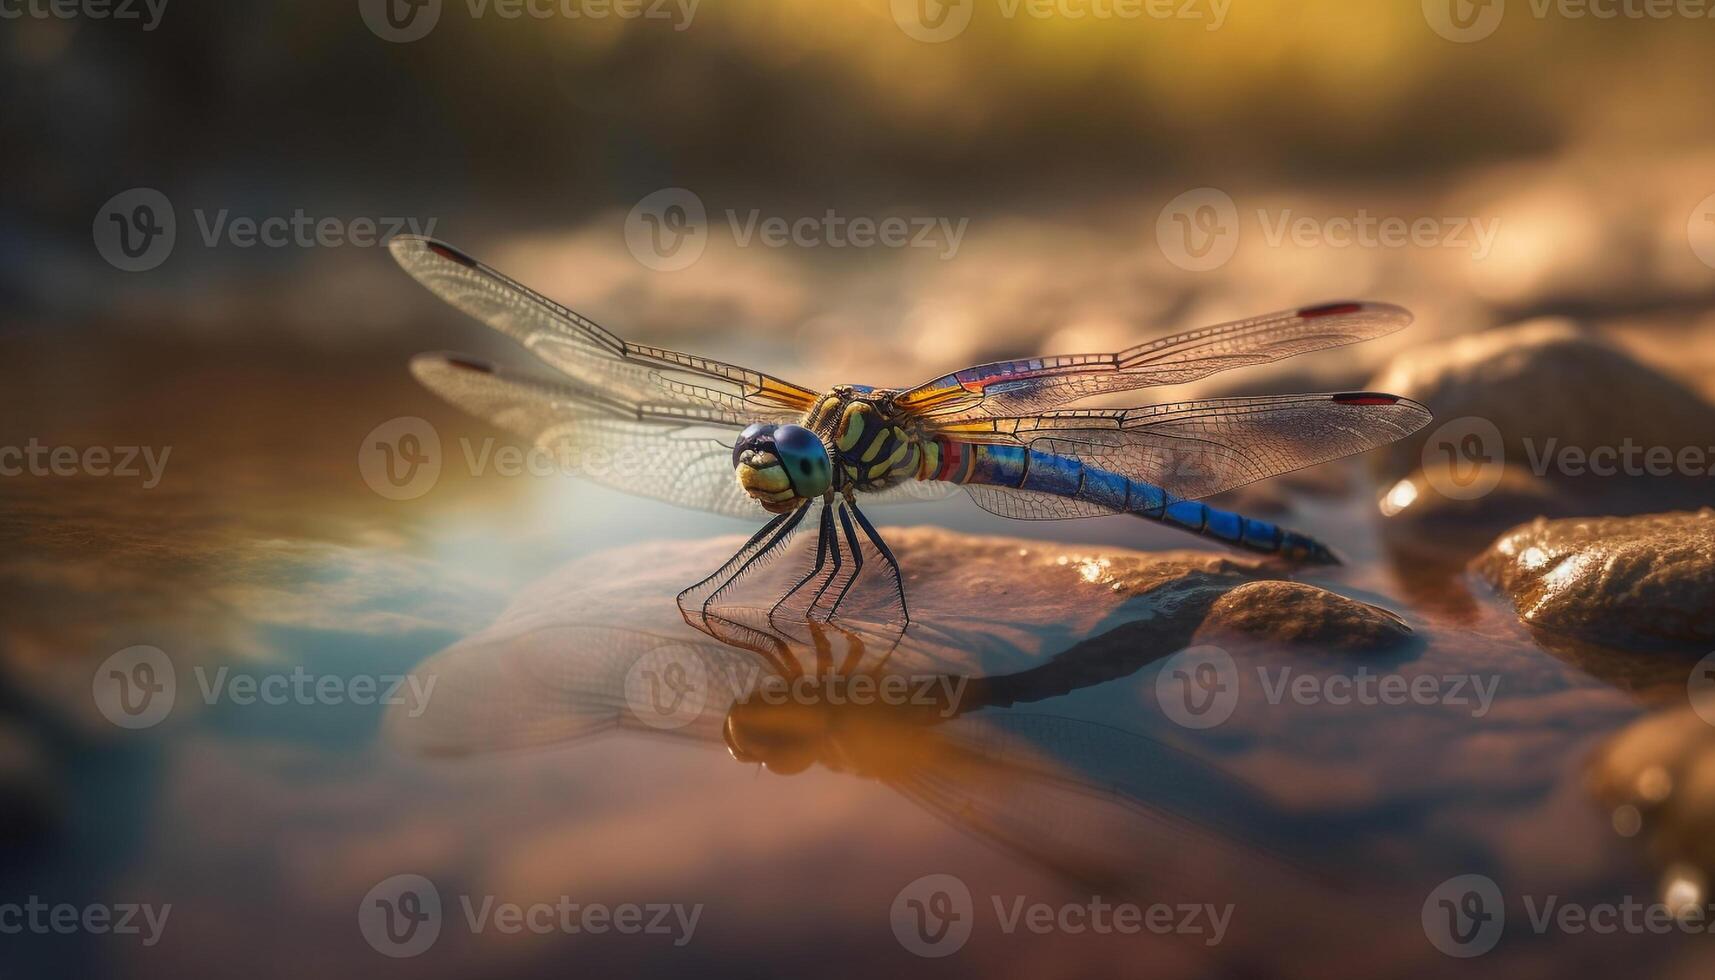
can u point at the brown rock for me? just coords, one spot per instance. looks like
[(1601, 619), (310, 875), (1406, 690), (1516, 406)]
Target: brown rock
[(1292, 612), (1541, 380), (1620, 580)]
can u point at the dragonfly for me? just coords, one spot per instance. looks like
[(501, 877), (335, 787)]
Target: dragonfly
[(710, 435)]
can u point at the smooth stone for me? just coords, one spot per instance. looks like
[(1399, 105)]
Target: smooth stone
[(1647, 580), (1292, 612), (1543, 379), (994, 602)]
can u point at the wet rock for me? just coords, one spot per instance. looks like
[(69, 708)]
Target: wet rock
[(1292, 612), (1529, 404), (1657, 778), (992, 603), (1647, 580)]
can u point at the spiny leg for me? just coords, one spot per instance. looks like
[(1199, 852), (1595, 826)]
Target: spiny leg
[(759, 543), (887, 556), (824, 538), (785, 530), (857, 558), (833, 573)]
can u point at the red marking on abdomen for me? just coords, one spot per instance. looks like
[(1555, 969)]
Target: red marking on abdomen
[(1332, 309)]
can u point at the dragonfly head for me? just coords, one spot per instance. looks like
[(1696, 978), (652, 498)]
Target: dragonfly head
[(781, 466), (785, 736)]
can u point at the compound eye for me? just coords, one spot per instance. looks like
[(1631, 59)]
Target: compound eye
[(805, 458), (749, 437)]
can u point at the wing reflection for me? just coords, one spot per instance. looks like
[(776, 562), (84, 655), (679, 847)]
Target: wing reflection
[(1113, 811)]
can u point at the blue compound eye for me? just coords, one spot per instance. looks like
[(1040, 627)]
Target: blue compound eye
[(748, 439), (805, 458)]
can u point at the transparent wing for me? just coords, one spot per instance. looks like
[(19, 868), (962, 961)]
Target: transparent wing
[(676, 453), (1198, 448), (589, 354), (1035, 384), (566, 683)]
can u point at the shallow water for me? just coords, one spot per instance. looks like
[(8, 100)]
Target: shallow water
[(275, 556)]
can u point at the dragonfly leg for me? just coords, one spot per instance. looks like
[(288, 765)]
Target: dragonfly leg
[(834, 573), (857, 557), (824, 539), (760, 544), (887, 556)]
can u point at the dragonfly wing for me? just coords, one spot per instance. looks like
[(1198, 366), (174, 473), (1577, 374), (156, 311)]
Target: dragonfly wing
[(1198, 448), (566, 683), (1037, 384), (590, 354), (675, 453)]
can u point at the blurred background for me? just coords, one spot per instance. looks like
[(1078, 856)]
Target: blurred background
[(1075, 177)]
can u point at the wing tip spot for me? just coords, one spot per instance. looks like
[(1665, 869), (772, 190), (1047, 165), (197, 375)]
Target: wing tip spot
[(1365, 398), (1330, 309), (467, 364), (449, 253)]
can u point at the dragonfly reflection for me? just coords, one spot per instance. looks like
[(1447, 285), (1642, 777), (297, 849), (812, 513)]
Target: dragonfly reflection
[(702, 433), (1111, 810)]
